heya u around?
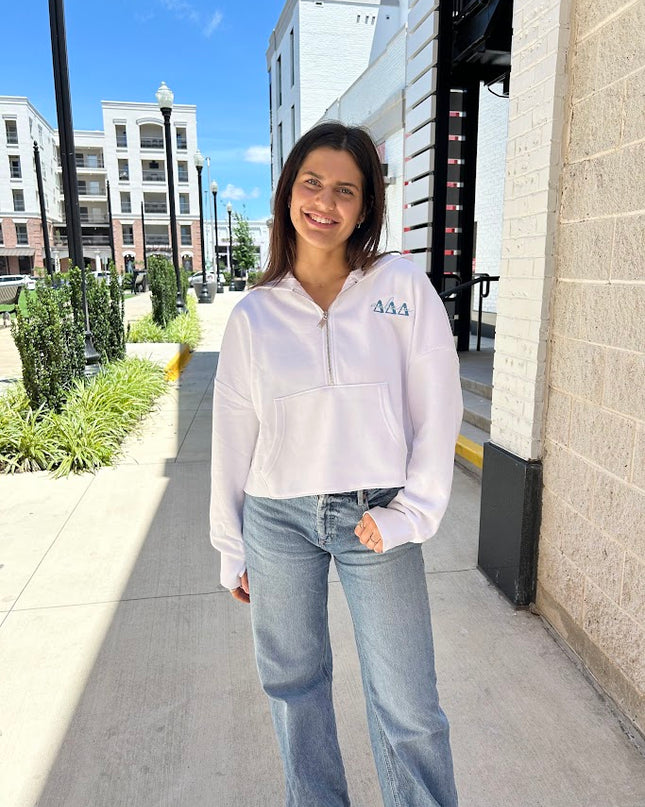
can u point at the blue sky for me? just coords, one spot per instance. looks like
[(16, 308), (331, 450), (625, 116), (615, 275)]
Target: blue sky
[(210, 53)]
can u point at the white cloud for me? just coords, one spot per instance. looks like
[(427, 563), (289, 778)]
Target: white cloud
[(239, 194), (258, 154), (184, 10), (213, 23)]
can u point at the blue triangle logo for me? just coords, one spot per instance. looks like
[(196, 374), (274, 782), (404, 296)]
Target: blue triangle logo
[(403, 311), (378, 308), (391, 308)]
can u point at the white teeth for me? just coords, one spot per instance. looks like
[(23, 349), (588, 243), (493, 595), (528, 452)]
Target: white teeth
[(320, 220)]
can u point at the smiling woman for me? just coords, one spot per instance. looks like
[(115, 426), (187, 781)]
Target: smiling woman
[(336, 409)]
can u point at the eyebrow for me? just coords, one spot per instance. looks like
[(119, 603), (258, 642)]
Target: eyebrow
[(342, 184)]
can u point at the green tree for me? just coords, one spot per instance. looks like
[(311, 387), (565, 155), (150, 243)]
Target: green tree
[(245, 256), (163, 290)]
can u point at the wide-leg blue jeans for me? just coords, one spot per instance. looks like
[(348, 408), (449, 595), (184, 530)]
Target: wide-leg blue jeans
[(289, 544)]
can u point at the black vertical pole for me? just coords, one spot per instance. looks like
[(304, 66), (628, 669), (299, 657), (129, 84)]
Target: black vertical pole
[(171, 201), (230, 253), (68, 165), (43, 213), (220, 285), (442, 123), (204, 296), (109, 200)]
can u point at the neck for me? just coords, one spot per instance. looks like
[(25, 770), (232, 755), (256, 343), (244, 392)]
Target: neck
[(320, 268)]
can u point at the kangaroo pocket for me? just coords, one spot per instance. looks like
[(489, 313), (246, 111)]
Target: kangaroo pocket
[(334, 438)]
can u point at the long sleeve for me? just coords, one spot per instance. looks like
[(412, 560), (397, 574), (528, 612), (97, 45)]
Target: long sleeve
[(235, 429), (436, 408)]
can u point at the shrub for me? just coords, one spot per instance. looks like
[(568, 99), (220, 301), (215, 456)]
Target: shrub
[(90, 427), (50, 345), (116, 345), (183, 328), (253, 277), (163, 290), (245, 255)]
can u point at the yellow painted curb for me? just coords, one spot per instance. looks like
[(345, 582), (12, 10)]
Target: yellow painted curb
[(470, 451), (178, 362)]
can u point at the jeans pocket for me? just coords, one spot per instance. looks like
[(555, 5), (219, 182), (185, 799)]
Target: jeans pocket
[(380, 497)]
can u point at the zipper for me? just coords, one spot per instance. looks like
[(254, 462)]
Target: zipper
[(324, 323)]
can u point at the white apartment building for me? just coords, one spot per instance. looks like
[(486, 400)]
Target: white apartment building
[(307, 68), (129, 154), (259, 230), (21, 239)]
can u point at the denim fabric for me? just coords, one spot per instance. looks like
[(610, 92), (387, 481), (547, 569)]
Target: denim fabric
[(289, 544)]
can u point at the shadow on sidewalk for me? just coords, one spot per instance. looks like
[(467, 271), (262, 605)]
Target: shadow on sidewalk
[(171, 713)]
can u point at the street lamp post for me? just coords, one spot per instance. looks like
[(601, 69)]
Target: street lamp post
[(165, 97), (229, 210), (110, 223), (220, 285), (145, 253), (43, 212), (204, 295), (68, 166)]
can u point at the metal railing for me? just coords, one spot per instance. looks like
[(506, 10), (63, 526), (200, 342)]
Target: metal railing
[(151, 175), (451, 294), (152, 142), (90, 190), (89, 161), (158, 240), (155, 207), (87, 218)]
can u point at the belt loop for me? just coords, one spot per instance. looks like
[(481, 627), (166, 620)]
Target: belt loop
[(361, 499)]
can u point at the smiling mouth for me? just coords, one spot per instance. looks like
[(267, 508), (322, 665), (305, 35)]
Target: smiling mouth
[(319, 219)]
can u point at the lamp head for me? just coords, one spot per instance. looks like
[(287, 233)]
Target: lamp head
[(165, 96), (229, 207), (214, 187), (199, 159)]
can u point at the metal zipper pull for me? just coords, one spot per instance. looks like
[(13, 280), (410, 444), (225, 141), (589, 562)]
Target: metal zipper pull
[(323, 321)]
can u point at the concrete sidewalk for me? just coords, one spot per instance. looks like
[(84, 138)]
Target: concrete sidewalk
[(127, 676)]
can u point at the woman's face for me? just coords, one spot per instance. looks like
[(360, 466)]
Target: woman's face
[(326, 200)]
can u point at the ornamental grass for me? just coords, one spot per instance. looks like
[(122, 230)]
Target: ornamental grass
[(89, 429)]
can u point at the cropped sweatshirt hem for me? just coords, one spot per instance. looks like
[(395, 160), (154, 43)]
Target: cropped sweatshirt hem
[(364, 395)]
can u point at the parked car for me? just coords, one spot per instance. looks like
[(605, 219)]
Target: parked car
[(197, 277), (28, 281)]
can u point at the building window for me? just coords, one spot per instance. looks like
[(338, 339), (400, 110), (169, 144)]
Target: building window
[(186, 235), (126, 202), (1, 235), (184, 203), (293, 125), (124, 171), (182, 142), (292, 53), (11, 128), (22, 239), (280, 147), (14, 167), (182, 171), (128, 234), (18, 200), (279, 79), (121, 135)]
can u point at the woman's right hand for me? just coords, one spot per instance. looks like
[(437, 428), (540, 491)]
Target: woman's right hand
[(241, 593)]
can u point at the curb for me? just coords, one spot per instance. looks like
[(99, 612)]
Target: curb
[(470, 451), (175, 366)]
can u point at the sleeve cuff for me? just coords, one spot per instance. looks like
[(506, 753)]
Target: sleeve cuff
[(231, 569), (394, 526)]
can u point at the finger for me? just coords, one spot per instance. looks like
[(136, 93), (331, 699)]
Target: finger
[(244, 582), (241, 595)]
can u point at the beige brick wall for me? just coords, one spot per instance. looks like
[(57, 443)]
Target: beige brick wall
[(591, 577)]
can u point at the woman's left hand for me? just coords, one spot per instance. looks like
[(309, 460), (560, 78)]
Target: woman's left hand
[(368, 533)]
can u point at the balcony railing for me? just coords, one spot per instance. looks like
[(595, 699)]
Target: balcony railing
[(152, 142), (90, 190), (158, 240), (92, 218), (89, 161), (150, 175), (88, 240), (155, 207)]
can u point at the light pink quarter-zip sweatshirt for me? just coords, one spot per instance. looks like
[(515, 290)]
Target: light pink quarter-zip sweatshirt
[(364, 395)]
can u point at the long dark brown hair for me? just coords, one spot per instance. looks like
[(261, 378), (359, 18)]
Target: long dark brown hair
[(362, 245)]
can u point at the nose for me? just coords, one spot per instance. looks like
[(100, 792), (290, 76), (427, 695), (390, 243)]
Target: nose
[(326, 199)]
